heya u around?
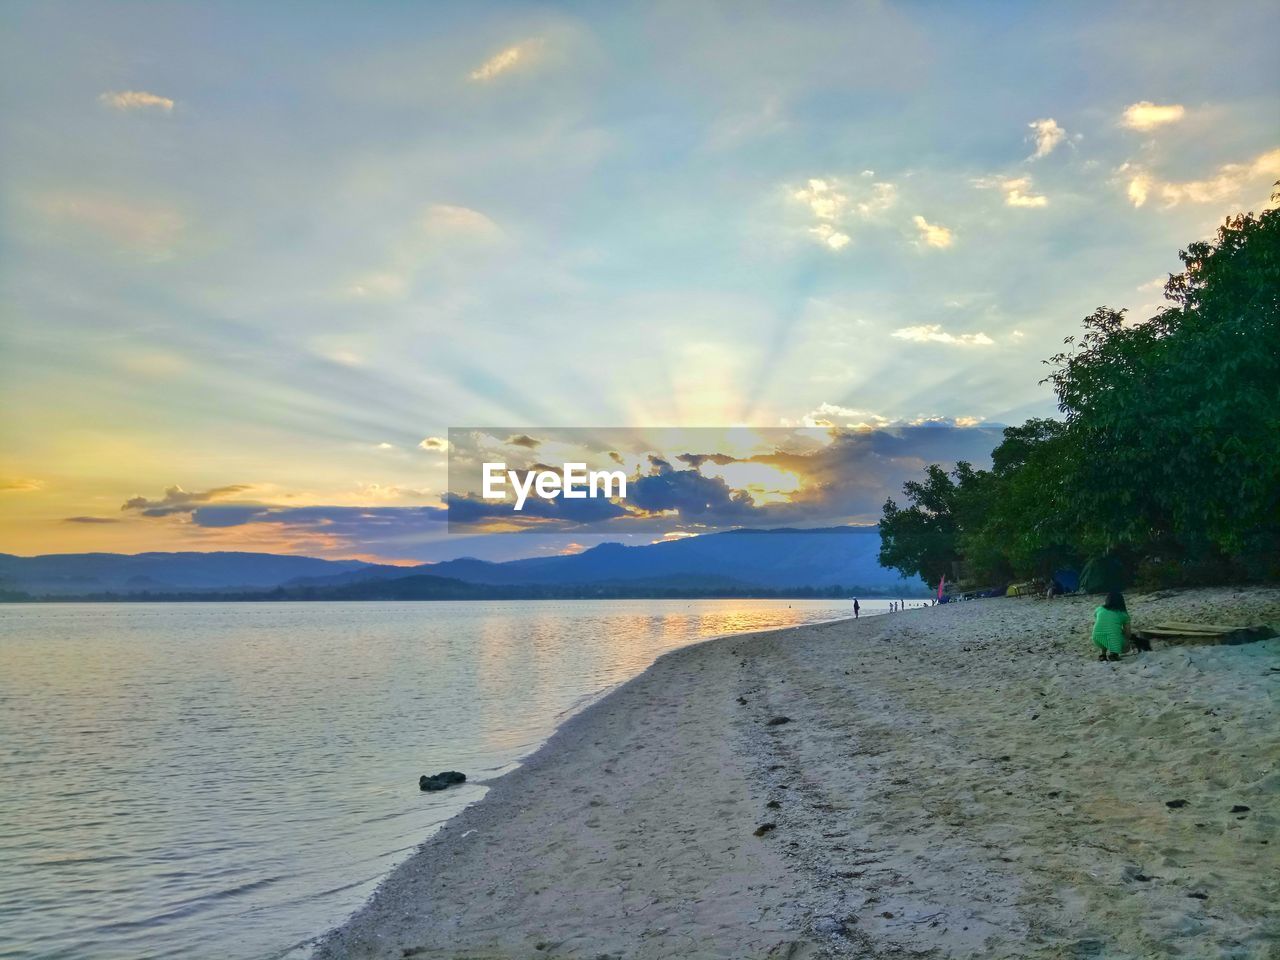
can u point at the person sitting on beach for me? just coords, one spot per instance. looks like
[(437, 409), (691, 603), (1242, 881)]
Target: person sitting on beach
[(1111, 627)]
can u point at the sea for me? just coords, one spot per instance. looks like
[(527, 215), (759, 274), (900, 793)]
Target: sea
[(231, 780)]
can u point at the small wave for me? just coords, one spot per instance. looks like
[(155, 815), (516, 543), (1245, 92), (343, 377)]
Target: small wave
[(190, 907), (78, 861)]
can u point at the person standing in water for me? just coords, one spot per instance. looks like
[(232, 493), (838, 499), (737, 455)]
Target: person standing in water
[(856, 608)]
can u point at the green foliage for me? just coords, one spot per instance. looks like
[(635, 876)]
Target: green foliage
[(1018, 529), (1168, 453), (921, 539), (1174, 421)]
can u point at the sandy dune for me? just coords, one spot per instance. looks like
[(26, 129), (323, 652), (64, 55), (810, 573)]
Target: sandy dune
[(961, 781)]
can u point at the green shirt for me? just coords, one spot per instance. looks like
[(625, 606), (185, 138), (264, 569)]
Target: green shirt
[(1108, 629)]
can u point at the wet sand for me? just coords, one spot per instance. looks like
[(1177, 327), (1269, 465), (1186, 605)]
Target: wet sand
[(958, 781)]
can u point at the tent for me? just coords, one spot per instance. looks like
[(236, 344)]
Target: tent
[(1067, 579)]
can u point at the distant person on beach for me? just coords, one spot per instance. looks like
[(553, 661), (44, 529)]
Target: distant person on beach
[(856, 608), (1111, 627)]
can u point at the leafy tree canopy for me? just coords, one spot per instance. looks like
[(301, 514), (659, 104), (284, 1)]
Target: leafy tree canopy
[(1167, 453)]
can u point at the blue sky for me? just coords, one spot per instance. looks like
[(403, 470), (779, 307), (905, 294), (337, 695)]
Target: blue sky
[(271, 249)]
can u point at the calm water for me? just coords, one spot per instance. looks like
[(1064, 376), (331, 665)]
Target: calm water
[(230, 780)]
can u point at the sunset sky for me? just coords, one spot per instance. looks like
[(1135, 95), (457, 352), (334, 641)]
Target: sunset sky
[(267, 255)]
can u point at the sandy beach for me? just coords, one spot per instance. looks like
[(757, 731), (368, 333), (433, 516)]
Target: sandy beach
[(959, 781)]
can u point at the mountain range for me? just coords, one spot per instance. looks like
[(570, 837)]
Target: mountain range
[(741, 562)]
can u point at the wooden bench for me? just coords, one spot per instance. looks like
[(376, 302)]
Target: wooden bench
[(1173, 632)]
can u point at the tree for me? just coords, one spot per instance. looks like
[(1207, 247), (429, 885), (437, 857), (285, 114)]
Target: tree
[(1168, 453), (1013, 522), (1173, 423), (920, 540)]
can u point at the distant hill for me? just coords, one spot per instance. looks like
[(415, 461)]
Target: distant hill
[(739, 562), (425, 587), (762, 558), (75, 574)]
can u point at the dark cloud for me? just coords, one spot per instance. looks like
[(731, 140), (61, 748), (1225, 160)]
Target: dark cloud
[(524, 440), (845, 477), (357, 522), (706, 500), (660, 466), (177, 500), (696, 460), (90, 520), (852, 475), (393, 531), (537, 513)]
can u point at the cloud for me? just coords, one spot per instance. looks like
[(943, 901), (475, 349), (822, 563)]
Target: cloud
[(379, 529), (1139, 185), (823, 199), (1047, 135), (830, 476), (849, 477), (836, 205), (90, 519), (829, 235), (142, 225), (829, 415), (538, 514), (690, 495), (504, 61), (696, 460), (933, 333), (1145, 115), (932, 234), (435, 444), (795, 478), (355, 525), (524, 440), (448, 218), (1226, 184), (384, 493), (19, 484), (177, 500), (135, 100), (883, 197), (1016, 194), (1016, 190)]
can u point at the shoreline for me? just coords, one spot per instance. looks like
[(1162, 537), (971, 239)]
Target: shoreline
[(923, 808)]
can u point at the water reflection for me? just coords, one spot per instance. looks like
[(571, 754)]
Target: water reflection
[(229, 780)]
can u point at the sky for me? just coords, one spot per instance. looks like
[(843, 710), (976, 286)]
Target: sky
[(265, 256)]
